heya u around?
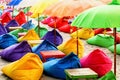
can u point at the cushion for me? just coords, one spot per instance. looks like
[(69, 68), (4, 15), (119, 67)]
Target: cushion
[(54, 37), (98, 61), (84, 33), (12, 23), (6, 17), (30, 35), (20, 18), (56, 67), (67, 28), (15, 32), (7, 40), (42, 31), (2, 30), (15, 51), (71, 46), (29, 67), (45, 45), (101, 40), (111, 48), (28, 25), (108, 76)]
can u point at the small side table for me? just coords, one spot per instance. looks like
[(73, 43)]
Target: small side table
[(51, 54), (80, 73)]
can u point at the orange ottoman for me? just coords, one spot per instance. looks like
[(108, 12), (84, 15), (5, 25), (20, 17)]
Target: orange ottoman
[(51, 54)]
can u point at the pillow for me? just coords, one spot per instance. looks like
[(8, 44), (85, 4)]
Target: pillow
[(28, 25), (29, 67), (98, 61), (101, 40), (15, 51), (54, 37), (111, 48), (7, 40), (45, 45), (56, 67), (12, 23), (41, 31), (71, 46), (108, 76), (84, 33), (15, 32), (30, 35)]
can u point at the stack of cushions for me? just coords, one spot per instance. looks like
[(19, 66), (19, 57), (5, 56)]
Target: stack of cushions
[(41, 31), (84, 33), (111, 48), (28, 25), (98, 61), (30, 35), (29, 67), (101, 40), (15, 51), (56, 67), (108, 76), (7, 40), (54, 37), (15, 32), (45, 45), (71, 46)]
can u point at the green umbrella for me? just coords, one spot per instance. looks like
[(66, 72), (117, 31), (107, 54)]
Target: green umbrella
[(100, 17)]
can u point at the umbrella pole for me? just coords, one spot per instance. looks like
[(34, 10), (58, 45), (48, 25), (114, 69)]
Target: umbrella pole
[(27, 15), (115, 51), (38, 26), (13, 12), (55, 32), (77, 42)]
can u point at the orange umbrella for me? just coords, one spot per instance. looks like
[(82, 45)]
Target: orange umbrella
[(70, 7)]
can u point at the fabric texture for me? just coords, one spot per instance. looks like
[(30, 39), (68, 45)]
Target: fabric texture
[(98, 61), (56, 67), (29, 67)]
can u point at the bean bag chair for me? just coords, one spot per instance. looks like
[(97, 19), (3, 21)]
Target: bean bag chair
[(56, 67), (28, 25), (29, 67), (67, 28), (15, 51), (58, 22), (6, 17), (71, 46), (54, 37), (47, 20), (2, 30), (15, 32), (84, 33), (7, 40), (108, 76), (12, 23), (98, 61), (101, 30), (20, 18), (111, 48), (30, 35), (44, 46), (101, 40), (41, 31)]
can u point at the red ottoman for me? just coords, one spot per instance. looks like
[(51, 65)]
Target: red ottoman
[(51, 54)]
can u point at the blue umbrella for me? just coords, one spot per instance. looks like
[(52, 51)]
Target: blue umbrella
[(14, 2)]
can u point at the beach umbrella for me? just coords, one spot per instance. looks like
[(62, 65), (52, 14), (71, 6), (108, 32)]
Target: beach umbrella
[(101, 17), (70, 7), (38, 8)]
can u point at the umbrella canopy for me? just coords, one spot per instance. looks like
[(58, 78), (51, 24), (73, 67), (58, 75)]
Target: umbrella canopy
[(40, 7), (14, 2), (100, 17), (27, 3), (72, 8)]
